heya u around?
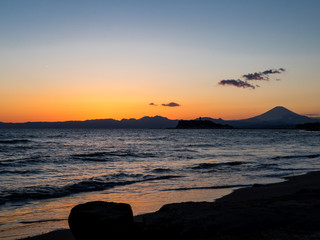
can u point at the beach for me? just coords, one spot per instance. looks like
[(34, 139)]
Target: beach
[(285, 210)]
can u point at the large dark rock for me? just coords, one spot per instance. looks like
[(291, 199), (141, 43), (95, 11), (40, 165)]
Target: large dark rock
[(101, 220)]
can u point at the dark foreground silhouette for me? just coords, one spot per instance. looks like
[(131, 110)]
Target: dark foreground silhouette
[(287, 210)]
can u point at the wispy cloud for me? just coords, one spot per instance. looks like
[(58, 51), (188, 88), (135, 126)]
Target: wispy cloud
[(313, 115), (237, 83), (171, 104), (262, 75), (153, 104), (257, 76)]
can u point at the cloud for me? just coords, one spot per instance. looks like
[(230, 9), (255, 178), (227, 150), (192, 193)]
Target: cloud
[(237, 83), (153, 104), (257, 76), (313, 115), (273, 71), (172, 104), (262, 75)]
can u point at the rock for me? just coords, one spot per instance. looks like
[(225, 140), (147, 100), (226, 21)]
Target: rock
[(187, 220), (101, 220)]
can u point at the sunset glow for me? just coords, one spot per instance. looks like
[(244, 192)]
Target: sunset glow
[(79, 60)]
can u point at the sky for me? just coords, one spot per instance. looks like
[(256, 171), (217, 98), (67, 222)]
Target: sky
[(182, 59)]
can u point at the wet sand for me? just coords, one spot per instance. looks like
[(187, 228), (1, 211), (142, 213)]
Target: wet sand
[(286, 210)]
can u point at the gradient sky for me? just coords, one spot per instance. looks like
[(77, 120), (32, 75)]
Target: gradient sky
[(80, 59)]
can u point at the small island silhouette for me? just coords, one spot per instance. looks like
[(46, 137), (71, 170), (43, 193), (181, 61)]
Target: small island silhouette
[(309, 126), (201, 124)]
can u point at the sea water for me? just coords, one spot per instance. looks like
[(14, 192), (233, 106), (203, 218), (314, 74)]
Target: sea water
[(45, 172)]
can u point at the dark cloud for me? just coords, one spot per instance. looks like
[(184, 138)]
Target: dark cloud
[(262, 75), (172, 104), (237, 83), (273, 71), (255, 76), (152, 104), (251, 76)]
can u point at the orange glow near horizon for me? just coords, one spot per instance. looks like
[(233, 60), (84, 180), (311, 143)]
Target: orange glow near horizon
[(127, 100), (79, 109)]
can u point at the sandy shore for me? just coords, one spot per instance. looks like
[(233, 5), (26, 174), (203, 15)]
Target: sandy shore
[(286, 210)]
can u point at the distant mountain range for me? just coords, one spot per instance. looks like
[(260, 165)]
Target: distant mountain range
[(278, 117), (145, 122)]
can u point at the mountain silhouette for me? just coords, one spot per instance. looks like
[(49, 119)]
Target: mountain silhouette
[(281, 114), (278, 117)]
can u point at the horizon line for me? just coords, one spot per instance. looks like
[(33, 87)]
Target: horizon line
[(63, 121)]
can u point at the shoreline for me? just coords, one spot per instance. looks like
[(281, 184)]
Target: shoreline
[(288, 209)]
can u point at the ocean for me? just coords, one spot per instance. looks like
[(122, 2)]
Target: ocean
[(46, 172)]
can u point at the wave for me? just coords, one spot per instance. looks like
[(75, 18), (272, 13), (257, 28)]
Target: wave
[(20, 162), (56, 136), (89, 185), (202, 145), (122, 175), (267, 165), (158, 138), (94, 154), (185, 150), (275, 175), (14, 141), (214, 165), (44, 220), (92, 157), (153, 178), (208, 187), (6, 163), (19, 171), (100, 156), (161, 170), (297, 156)]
